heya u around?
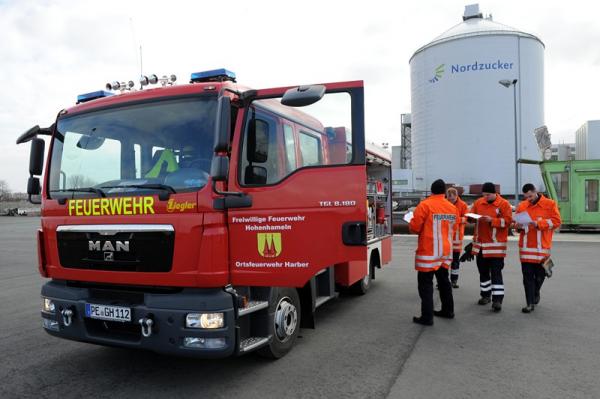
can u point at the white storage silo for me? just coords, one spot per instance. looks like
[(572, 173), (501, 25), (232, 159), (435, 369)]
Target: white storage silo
[(463, 127)]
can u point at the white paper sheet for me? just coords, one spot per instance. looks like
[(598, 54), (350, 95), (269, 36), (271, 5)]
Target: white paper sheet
[(522, 218), (408, 217), (472, 215)]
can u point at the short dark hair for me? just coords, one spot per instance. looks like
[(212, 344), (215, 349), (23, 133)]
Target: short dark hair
[(528, 187), (488, 187), (438, 187)]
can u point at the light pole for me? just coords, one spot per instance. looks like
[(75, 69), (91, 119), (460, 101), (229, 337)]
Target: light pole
[(507, 83)]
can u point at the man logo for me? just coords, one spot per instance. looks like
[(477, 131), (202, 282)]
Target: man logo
[(269, 244), (439, 71)]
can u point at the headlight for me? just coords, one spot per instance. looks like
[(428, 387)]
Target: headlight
[(204, 320), (204, 343), (48, 305)]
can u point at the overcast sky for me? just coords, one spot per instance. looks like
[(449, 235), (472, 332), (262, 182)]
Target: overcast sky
[(51, 51)]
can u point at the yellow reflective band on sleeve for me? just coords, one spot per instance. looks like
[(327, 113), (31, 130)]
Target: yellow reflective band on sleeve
[(167, 157), (111, 206)]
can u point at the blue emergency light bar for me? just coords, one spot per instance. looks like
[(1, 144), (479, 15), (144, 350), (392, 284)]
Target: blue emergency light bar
[(216, 75), (93, 95)]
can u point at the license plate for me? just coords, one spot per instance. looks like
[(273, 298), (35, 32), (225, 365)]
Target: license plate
[(105, 312)]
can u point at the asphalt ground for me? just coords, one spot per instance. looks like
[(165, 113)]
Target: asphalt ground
[(363, 347)]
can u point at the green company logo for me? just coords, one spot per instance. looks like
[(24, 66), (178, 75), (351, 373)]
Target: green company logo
[(439, 71)]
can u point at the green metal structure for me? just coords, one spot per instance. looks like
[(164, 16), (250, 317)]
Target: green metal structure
[(575, 186)]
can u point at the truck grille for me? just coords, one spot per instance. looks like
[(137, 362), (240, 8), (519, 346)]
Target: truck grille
[(129, 251)]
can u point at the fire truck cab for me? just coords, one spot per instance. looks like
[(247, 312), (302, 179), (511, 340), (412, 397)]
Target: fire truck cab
[(206, 219)]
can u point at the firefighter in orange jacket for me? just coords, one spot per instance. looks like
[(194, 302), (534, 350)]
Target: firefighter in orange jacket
[(490, 243), (433, 221), (535, 241), (458, 234)]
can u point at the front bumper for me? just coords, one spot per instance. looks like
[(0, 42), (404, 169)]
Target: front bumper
[(167, 310)]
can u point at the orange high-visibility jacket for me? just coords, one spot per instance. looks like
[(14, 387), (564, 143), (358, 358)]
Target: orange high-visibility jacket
[(433, 221), (490, 238), (459, 226), (535, 241)]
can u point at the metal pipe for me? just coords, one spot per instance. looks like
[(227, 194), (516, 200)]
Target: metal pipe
[(514, 83)]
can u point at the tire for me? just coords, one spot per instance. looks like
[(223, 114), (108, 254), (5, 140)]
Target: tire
[(362, 286), (284, 323)]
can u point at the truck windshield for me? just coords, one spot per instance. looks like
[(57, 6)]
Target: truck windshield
[(149, 147)]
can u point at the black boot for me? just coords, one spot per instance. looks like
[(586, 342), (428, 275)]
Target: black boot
[(484, 300), (496, 306), (528, 309), (536, 300), (420, 320), (445, 315), (454, 284)]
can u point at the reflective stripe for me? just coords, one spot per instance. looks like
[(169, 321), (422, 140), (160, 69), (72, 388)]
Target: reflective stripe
[(498, 286), (494, 244), (485, 289), (497, 293), (483, 284), (494, 234), (494, 251), (450, 228), (535, 250), (502, 223), (532, 257), (436, 238), (432, 258), (550, 224), (539, 241), (427, 257), (426, 264), (454, 272)]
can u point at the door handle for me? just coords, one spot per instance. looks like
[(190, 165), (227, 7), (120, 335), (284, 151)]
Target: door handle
[(354, 233)]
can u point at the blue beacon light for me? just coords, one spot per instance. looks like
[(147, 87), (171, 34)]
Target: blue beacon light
[(92, 96), (215, 75)]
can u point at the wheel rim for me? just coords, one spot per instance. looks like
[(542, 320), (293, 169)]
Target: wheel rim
[(286, 319), (366, 280)]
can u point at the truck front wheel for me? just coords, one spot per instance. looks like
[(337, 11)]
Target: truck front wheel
[(284, 324)]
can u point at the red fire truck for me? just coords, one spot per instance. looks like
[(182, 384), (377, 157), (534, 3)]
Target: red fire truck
[(206, 219)]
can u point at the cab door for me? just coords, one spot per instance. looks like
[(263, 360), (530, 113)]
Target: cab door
[(308, 206)]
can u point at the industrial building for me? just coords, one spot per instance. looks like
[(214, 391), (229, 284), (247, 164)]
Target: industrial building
[(587, 141), (562, 152), (477, 96)]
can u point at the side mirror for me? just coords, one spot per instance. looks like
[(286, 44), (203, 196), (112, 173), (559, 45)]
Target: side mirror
[(219, 169), (90, 142), (258, 141), (33, 186), (223, 124), (255, 175), (303, 95), (36, 157)]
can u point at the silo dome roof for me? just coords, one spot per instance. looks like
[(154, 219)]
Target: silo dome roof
[(476, 26)]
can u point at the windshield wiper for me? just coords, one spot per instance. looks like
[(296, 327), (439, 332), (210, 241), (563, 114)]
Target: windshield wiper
[(155, 186), (81, 190)]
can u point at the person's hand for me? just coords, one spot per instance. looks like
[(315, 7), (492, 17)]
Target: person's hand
[(486, 219)]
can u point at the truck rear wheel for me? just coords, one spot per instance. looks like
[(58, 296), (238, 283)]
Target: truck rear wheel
[(284, 324), (362, 286)]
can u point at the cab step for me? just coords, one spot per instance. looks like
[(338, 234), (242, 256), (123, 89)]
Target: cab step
[(253, 306), (252, 343), (322, 299)]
